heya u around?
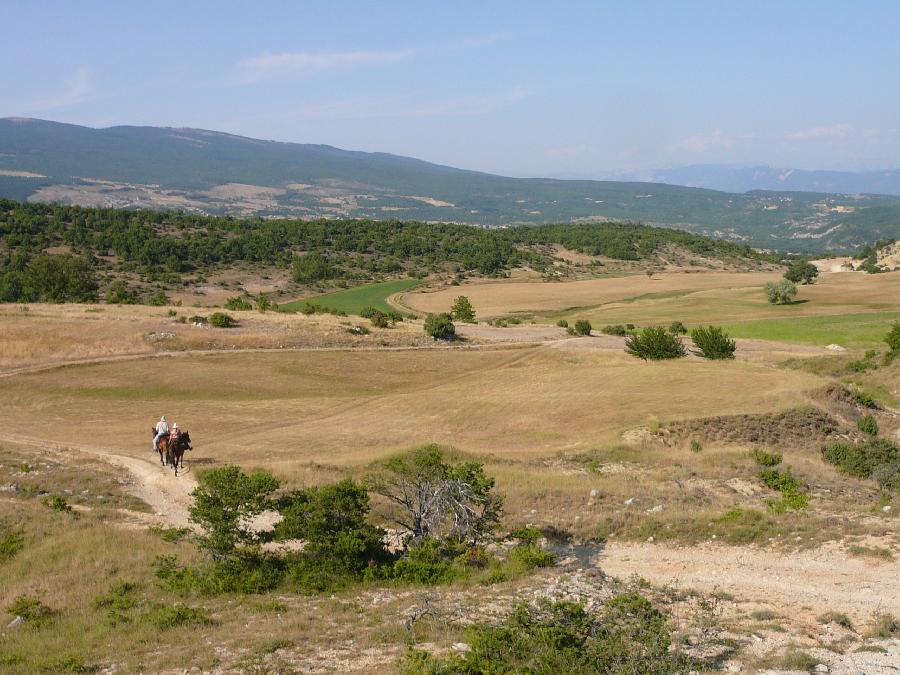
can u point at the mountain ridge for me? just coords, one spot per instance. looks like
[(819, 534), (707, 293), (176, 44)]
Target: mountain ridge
[(204, 171)]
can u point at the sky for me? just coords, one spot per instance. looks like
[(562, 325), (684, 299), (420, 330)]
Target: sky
[(569, 89)]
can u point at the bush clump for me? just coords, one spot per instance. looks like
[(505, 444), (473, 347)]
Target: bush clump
[(892, 339), (462, 310), (239, 304), (763, 458), (627, 635), (792, 494), (802, 272), (713, 343), (562, 323), (440, 326), (222, 320), (583, 327), (781, 292), (11, 542), (868, 425), (655, 344), (616, 329), (877, 459), (677, 328), (33, 610)]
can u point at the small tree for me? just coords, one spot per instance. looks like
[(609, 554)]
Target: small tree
[(263, 304), (713, 343), (802, 272), (159, 299), (222, 320), (462, 310), (654, 344), (225, 502), (781, 292), (892, 339), (440, 326), (583, 327), (436, 499), (120, 294), (677, 328)]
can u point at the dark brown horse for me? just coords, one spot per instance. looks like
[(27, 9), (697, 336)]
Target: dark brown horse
[(171, 452)]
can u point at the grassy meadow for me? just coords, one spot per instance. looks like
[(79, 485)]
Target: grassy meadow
[(353, 300)]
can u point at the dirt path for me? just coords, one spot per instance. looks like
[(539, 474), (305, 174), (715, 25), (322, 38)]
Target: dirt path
[(801, 584), (168, 496)]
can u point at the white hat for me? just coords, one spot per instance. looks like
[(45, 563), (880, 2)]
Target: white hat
[(162, 419), (174, 425)]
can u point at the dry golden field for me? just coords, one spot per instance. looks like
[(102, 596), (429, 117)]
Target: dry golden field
[(583, 440)]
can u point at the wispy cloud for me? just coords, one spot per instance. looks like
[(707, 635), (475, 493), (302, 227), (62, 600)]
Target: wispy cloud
[(78, 87), (818, 133), (413, 107), (268, 64), (704, 142)]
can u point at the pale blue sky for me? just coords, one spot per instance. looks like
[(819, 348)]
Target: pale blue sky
[(521, 88)]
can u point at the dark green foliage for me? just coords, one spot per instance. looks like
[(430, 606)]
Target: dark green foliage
[(583, 327), (427, 563), (868, 425), (763, 458), (222, 320), (46, 278), (713, 343), (225, 501), (877, 459), (331, 520), (892, 339), (677, 328), (802, 272), (315, 308), (239, 304), (863, 399), (462, 310), (245, 571), (158, 299), (562, 323), (864, 364), (118, 601), (263, 304), (33, 610), (627, 635), (440, 326), (171, 534), (312, 267), (57, 503), (654, 344), (120, 294), (617, 329), (198, 319), (780, 292)]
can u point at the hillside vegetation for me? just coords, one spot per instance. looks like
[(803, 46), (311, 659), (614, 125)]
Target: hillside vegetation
[(202, 171), (162, 247)]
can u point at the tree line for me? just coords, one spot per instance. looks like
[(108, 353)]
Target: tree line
[(161, 246)]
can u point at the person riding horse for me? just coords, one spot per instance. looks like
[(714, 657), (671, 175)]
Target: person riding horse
[(161, 429), (171, 444)]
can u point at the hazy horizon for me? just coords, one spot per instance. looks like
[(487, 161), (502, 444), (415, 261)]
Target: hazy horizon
[(514, 89)]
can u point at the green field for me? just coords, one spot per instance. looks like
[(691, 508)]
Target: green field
[(848, 330), (354, 299)]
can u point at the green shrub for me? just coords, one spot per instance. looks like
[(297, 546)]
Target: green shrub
[(428, 563), (629, 326), (781, 292), (159, 299), (118, 601), (440, 326), (713, 343), (33, 610), (627, 635), (222, 320), (120, 294), (165, 617), (868, 425), (462, 310), (358, 330), (655, 344), (802, 272), (57, 503), (583, 327), (11, 542), (837, 618), (863, 399), (792, 495), (239, 304), (677, 328), (696, 446), (886, 626), (202, 320), (617, 329), (877, 459), (892, 339), (312, 267), (562, 323), (379, 320), (263, 304), (315, 308), (763, 458)]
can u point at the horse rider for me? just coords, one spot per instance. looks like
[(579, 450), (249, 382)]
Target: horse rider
[(162, 428), (174, 434)]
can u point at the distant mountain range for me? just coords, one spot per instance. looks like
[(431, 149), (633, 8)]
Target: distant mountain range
[(746, 178), (202, 171)]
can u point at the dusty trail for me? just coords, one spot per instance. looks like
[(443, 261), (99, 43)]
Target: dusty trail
[(168, 496), (803, 584)]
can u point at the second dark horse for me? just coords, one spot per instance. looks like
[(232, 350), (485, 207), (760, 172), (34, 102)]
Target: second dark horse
[(171, 453)]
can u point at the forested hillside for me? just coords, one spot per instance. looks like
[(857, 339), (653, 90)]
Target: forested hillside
[(206, 172), (163, 246)]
